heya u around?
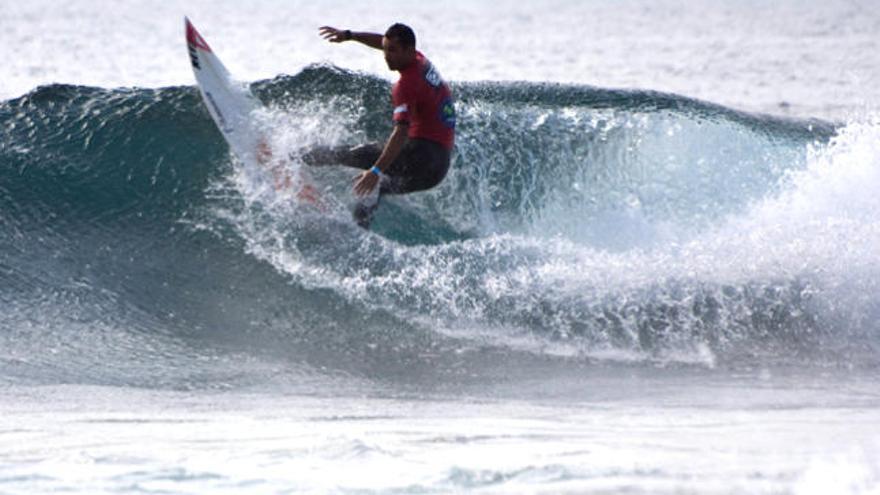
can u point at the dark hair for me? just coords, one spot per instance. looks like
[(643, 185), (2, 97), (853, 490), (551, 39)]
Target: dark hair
[(404, 35)]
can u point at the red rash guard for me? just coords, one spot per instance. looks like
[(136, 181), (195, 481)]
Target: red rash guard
[(423, 99)]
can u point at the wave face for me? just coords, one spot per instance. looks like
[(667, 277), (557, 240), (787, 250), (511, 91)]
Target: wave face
[(577, 224)]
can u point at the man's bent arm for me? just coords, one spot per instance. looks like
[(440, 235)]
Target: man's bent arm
[(333, 35), (367, 180), (393, 146)]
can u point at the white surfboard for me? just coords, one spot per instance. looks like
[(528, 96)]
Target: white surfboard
[(232, 106)]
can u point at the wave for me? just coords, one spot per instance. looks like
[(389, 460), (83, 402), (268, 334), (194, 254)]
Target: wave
[(576, 223)]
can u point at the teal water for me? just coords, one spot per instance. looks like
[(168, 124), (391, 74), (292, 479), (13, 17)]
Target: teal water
[(124, 210)]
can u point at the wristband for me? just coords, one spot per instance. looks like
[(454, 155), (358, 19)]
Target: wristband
[(348, 35), (376, 171)]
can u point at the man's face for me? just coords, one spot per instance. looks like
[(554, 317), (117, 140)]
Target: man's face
[(397, 56)]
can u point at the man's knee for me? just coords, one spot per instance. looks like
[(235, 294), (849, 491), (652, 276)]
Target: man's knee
[(364, 156), (363, 213)]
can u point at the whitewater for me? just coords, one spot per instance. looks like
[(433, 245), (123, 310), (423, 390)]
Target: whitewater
[(652, 268)]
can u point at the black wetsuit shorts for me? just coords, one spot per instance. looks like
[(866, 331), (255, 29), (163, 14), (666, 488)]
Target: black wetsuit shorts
[(421, 165)]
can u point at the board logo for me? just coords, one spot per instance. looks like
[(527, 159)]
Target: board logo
[(223, 123), (194, 57)]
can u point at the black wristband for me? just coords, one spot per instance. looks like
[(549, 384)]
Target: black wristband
[(348, 35)]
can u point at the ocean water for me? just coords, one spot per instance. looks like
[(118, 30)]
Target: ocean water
[(653, 267)]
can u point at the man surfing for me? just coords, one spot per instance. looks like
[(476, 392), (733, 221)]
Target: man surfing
[(416, 156)]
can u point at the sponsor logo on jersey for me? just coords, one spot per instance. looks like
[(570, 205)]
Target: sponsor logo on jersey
[(432, 76), (447, 112)]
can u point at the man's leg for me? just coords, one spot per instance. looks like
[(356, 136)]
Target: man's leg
[(364, 209), (362, 156), (422, 164)]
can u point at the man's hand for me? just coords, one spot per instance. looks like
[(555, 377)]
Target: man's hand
[(332, 34), (365, 182)]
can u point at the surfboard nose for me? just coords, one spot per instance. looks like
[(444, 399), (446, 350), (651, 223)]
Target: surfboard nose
[(193, 37)]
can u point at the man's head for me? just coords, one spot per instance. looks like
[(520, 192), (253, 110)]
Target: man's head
[(399, 46)]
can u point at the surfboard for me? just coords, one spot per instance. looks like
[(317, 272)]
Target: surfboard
[(232, 106)]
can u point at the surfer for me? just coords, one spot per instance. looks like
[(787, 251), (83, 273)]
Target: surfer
[(416, 156)]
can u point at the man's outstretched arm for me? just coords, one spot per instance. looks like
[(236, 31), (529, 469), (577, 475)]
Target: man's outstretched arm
[(334, 35)]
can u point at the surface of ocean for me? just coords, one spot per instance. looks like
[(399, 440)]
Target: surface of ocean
[(653, 267)]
